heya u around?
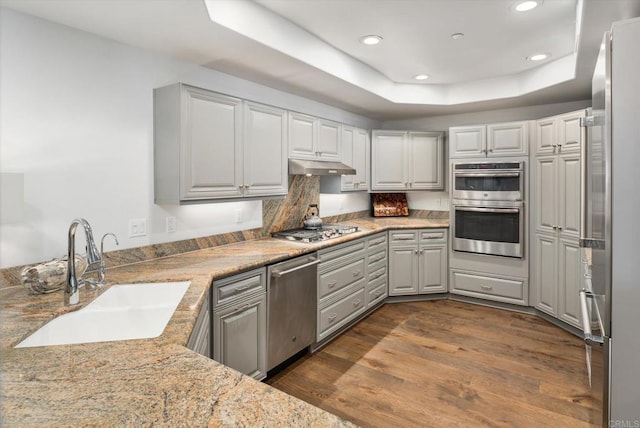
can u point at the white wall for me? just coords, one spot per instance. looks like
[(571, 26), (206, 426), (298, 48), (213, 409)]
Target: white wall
[(76, 119)]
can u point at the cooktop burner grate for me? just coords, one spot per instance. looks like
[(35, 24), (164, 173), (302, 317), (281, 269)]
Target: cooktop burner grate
[(327, 231)]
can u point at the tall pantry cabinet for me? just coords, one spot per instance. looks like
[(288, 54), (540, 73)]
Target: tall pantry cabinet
[(556, 264)]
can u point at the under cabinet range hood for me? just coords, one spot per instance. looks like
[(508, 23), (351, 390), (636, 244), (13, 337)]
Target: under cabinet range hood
[(313, 167)]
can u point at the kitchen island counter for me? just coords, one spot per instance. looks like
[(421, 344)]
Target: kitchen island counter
[(154, 381)]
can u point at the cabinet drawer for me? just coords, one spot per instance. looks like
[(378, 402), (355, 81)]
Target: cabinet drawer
[(499, 289), (376, 293), (348, 249), (433, 236), (340, 277), (378, 273), (377, 258), (237, 286), (342, 311), (377, 241), (403, 237)]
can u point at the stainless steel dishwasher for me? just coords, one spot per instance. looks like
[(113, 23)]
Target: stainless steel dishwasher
[(292, 307)]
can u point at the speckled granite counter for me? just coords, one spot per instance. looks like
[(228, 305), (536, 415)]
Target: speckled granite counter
[(155, 381)]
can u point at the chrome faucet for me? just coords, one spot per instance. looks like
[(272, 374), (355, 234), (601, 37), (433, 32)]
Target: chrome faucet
[(94, 259), (102, 268)]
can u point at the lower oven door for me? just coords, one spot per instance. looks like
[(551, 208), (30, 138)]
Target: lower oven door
[(495, 228)]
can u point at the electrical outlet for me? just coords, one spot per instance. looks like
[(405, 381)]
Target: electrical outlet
[(238, 215), (171, 224), (137, 227)]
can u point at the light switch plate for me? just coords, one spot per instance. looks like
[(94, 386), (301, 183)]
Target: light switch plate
[(137, 227)]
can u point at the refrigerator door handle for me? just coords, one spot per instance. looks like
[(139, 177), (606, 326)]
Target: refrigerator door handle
[(589, 338)]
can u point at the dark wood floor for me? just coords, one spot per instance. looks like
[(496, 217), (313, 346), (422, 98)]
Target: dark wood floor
[(447, 363)]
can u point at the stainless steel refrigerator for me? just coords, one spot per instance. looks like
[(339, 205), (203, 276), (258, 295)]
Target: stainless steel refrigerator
[(610, 230)]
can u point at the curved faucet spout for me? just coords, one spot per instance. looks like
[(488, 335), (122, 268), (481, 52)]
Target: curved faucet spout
[(71, 290)]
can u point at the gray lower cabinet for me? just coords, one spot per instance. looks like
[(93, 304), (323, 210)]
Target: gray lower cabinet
[(497, 288), (200, 340), (417, 261), (341, 286), (240, 322), (377, 259)]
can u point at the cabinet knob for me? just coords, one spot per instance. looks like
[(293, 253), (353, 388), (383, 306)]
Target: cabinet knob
[(421, 251), (415, 251), (559, 227), (491, 150)]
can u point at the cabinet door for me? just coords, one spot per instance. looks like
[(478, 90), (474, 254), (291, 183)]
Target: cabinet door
[(569, 281), (211, 150), (545, 143), (240, 336), (569, 194), (545, 199), (569, 132), (426, 160), (347, 140), (328, 142), (301, 136), (403, 271), (388, 160), (361, 159), (433, 269), (467, 141), (508, 139), (546, 282), (265, 151)]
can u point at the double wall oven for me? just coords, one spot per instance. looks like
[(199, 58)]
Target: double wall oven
[(488, 208)]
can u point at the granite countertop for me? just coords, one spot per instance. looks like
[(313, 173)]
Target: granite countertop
[(154, 381)]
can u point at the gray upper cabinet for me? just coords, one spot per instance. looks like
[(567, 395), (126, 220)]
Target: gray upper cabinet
[(559, 134), (493, 140), (265, 150), (313, 138), (206, 146), (407, 160), (355, 153)]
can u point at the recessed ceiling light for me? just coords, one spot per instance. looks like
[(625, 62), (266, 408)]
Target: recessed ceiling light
[(370, 40), (421, 76), (524, 6), (538, 57), (457, 36)]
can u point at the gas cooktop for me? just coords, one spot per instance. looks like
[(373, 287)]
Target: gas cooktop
[(323, 233)]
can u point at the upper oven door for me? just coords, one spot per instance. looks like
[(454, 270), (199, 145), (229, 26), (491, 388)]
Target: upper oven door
[(489, 181)]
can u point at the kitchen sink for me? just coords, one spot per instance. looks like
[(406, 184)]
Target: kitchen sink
[(123, 312)]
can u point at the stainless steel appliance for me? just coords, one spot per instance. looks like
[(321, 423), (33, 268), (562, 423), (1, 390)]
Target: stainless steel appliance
[(488, 227), (609, 231), (496, 181), (322, 233), (292, 307)]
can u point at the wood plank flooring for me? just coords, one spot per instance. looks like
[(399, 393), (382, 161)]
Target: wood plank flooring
[(447, 363)]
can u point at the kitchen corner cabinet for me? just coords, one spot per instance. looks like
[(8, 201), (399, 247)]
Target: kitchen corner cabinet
[(555, 205), (240, 322), (407, 160), (559, 134), (417, 262), (355, 153), (210, 146), (493, 140), (313, 138)]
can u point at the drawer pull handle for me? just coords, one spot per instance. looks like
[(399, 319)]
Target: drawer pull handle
[(244, 287), (241, 308), (356, 273), (486, 287), (431, 236), (332, 284), (356, 303), (332, 317)]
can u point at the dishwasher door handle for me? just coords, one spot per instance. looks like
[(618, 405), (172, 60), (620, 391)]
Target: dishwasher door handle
[(278, 274)]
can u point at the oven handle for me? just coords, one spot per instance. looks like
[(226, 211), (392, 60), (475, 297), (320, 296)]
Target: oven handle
[(489, 210), (487, 174)]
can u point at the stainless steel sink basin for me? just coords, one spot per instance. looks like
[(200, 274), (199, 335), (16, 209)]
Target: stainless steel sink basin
[(123, 312)]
